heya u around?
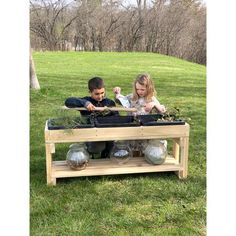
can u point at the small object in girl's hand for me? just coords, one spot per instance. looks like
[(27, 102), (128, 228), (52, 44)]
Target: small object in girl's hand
[(124, 101)]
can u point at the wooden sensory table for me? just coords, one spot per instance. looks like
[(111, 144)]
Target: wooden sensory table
[(177, 161)]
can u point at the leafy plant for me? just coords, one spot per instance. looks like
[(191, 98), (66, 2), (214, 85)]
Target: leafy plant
[(174, 113)]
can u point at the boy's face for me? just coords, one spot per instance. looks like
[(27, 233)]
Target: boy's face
[(98, 94), (141, 90)]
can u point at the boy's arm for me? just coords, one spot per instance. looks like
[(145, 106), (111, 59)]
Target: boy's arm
[(76, 102)]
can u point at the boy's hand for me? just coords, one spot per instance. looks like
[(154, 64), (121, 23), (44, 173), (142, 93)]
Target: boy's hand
[(90, 107), (117, 90)]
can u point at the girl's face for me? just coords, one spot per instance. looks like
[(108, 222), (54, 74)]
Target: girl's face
[(141, 90)]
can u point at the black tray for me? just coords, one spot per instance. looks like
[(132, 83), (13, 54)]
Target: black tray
[(53, 124), (152, 120), (116, 121)]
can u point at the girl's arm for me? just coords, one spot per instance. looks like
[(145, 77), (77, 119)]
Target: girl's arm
[(117, 94), (121, 99), (155, 103), (161, 108)]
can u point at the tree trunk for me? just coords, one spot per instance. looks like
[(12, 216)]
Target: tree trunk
[(34, 83)]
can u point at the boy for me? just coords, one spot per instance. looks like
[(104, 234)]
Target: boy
[(96, 99)]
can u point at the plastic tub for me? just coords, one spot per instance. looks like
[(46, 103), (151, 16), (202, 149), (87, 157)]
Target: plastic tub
[(116, 121), (57, 123), (158, 120)]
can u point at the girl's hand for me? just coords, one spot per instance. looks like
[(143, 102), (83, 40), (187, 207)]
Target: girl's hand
[(161, 108), (117, 90), (148, 107)]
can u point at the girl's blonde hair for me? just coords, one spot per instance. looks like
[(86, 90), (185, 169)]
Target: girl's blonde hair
[(144, 79)]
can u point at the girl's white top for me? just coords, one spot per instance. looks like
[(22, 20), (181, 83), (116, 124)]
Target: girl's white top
[(126, 101)]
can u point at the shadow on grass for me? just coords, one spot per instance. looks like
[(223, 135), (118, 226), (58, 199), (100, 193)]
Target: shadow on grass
[(120, 178)]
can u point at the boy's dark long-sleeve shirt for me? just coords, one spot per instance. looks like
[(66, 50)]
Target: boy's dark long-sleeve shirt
[(73, 102)]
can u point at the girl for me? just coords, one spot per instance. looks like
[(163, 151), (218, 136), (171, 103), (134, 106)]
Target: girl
[(144, 100), (143, 96)]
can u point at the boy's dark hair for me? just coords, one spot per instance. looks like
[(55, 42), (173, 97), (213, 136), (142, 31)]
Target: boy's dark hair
[(95, 83)]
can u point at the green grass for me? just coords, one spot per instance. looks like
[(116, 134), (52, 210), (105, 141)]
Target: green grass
[(139, 204)]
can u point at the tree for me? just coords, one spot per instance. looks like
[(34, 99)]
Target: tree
[(50, 21), (171, 27), (34, 83)]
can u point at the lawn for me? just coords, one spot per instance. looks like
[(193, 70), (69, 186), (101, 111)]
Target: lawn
[(137, 204)]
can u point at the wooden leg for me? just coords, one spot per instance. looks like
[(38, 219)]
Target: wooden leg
[(176, 149), (50, 148), (53, 182), (182, 174)]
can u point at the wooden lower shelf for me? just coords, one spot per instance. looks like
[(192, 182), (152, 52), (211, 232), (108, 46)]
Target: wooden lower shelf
[(96, 167)]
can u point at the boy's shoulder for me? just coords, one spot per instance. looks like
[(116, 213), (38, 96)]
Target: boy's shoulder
[(88, 98), (107, 99)]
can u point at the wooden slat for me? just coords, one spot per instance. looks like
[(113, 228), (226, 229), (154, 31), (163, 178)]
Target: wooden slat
[(94, 163), (116, 133), (102, 109), (108, 167)]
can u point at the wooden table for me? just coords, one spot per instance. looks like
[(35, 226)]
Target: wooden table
[(177, 162)]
